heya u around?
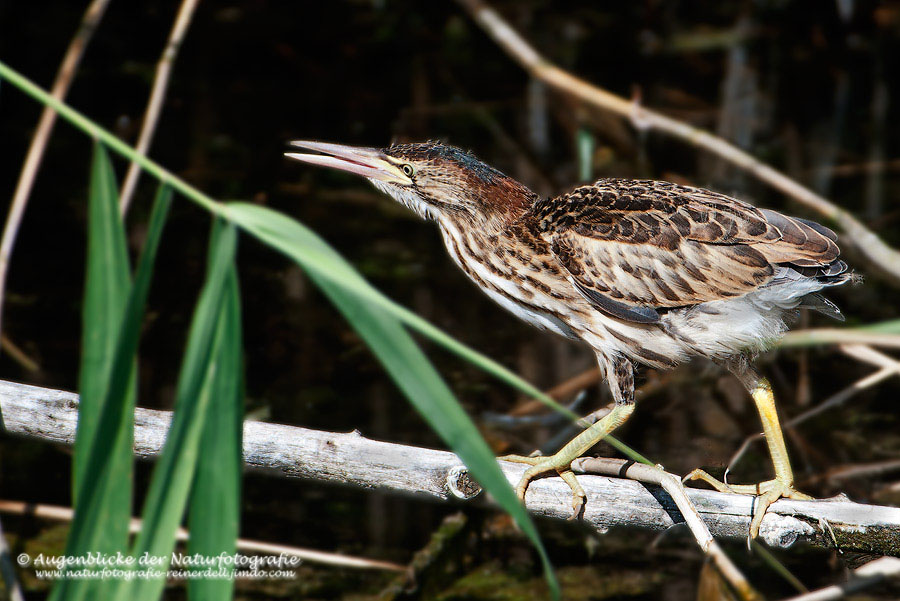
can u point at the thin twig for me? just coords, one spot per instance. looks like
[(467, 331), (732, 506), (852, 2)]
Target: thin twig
[(560, 392), (351, 459), (869, 355), (864, 577), (858, 235), (66, 514), (154, 105), (814, 336), (672, 484), (842, 396), (888, 367), (441, 550), (854, 169), (18, 355), (655, 382), (857, 470), (64, 77)]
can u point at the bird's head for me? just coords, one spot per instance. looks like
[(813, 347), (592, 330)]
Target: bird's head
[(434, 180)]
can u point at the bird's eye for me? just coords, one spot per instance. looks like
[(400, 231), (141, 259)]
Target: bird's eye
[(408, 170)]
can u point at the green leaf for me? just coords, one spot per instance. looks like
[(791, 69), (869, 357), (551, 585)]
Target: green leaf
[(108, 462), (106, 287), (107, 281), (170, 484), (214, 512), (400, 355)]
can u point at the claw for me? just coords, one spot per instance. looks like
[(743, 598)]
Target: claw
[(766, 494), (772, 491), (561, 462), (541, 465)]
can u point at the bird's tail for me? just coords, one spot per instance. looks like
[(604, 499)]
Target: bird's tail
[(818, 302)]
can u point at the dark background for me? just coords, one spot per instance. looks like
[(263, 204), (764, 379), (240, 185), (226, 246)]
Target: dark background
[(810, 87)]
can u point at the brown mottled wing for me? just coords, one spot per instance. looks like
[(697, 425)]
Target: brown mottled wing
[(634, 246)]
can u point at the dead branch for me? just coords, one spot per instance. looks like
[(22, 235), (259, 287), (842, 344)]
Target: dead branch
[(18, 355), (353, 460), (560, 392), (64, 77), (857, 470), (154, 104), (66, 514), (864, 240)]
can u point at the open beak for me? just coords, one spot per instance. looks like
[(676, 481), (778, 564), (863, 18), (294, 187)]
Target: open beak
[(367, 162)]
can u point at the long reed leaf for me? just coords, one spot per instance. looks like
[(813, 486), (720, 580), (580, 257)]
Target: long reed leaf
[(108, 464), (170, 484), (214, 512), (107, 281), (106, 286), (316, 256)]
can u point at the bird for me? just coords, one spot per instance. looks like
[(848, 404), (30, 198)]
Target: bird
[(643, 272)]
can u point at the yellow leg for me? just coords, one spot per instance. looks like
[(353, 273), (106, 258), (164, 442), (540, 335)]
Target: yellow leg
[(620, 378), (561, 462), (772, 490)]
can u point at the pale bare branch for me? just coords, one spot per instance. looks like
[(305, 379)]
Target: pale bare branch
[(815, 336), (66, 514), (857, 470), (157, 94), (64, 77), (18, 355), (353, 460)]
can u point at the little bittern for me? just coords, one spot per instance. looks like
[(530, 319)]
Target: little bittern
[(642, 271)]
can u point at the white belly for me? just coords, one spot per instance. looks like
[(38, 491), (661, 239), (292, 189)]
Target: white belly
[(544, 321)]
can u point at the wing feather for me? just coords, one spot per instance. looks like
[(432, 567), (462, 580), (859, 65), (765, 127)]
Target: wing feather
[(635, 246)]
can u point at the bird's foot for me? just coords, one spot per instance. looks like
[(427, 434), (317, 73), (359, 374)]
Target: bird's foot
[(766, 493), (562, 465)]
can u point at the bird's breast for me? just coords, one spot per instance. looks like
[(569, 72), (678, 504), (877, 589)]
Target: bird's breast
[(527, 283)]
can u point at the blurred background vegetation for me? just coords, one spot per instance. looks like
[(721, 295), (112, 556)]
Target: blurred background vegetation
[(809, 87)]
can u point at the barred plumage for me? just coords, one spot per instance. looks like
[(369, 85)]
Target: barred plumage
[(640, 270)]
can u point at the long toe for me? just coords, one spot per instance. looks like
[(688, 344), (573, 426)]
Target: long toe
[(539, 465), (526, 459), (704, 476), (766, 494)]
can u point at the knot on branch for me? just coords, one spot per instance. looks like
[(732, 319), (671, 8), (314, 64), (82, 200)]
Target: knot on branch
[(461, 484)]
